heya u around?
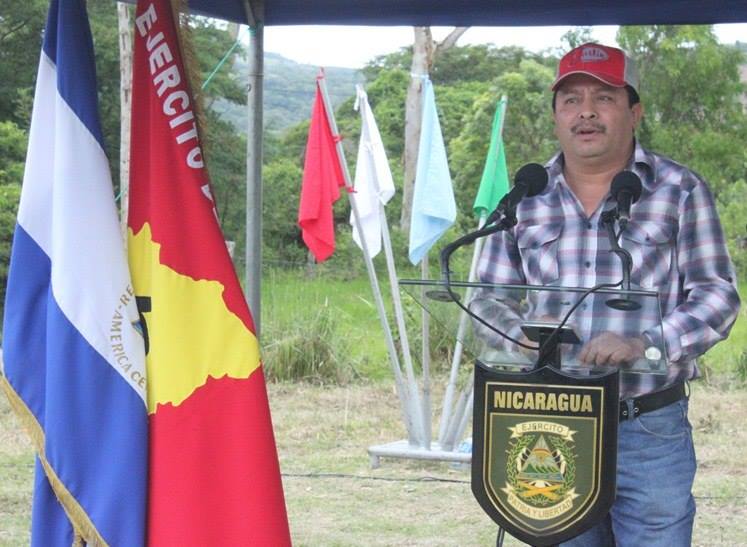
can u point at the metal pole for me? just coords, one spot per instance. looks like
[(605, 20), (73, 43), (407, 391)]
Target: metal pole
[(449, 421), (446, 411), (459, 421), (253, 265), (400, 319), (426, 355), (409, 410)]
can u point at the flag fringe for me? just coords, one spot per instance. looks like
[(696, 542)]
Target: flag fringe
[(83, 528)]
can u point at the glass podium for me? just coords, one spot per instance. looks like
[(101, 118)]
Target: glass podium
[(604, 330)]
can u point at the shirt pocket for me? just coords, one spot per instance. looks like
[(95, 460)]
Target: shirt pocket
[(538, 246), (651, 245)]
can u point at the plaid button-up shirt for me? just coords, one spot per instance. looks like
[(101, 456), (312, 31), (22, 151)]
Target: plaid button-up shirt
[(674, 237)]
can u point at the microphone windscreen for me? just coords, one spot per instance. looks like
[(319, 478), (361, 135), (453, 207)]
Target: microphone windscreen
[(533, 176), (628, 181)]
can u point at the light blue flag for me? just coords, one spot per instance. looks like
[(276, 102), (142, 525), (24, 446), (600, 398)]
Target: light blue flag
[(433, 205), (74, 361)]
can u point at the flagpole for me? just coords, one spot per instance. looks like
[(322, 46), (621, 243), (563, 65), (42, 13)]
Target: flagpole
[(446, 412), (400, 316), (464, 411), (410, 411), (426, 354), (447, 419), (397, 305)]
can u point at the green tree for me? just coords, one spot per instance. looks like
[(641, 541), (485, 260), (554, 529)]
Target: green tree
[(9, 196), (210, 44), (479, 63), (225, 153), (12, 154), (21, 26), (527, 131), (13, 141), (102, 15), (691, 91), (280, 193), (575, 37)]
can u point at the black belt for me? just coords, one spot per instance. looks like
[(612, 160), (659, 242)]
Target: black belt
[(652, 401)]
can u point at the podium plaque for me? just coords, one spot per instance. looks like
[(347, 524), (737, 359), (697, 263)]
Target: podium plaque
[(544, 451)]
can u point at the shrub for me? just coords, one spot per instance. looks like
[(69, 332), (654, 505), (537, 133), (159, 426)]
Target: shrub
[(307, 351)]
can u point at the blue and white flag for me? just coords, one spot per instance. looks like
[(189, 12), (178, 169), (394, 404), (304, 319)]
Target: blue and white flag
[(74, 363), (433, 205)]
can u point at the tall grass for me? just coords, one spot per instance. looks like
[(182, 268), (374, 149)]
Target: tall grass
[(311, 351), (333, 322)]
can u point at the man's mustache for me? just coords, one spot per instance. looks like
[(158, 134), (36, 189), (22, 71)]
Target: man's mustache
[(586, 126)]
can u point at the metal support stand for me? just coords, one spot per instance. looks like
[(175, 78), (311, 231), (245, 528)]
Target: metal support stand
[(403, 449)]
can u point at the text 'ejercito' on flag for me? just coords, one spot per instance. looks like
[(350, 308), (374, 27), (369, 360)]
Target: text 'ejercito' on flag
[(214, 474), (74, 359)]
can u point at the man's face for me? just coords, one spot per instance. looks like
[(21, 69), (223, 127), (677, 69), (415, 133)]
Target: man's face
[(594, 122)]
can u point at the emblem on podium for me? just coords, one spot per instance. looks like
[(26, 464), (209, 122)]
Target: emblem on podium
[(544, 451)]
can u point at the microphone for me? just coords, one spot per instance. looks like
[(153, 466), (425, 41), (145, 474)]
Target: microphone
[(626, 189), (529, 181)]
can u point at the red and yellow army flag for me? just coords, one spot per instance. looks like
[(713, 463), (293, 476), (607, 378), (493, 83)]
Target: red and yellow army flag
[(214, 474)]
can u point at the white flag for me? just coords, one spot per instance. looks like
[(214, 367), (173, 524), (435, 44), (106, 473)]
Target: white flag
[(373, 184)]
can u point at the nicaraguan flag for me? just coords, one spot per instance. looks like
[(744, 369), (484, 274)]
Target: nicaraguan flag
[(433, 204), (73, 360)]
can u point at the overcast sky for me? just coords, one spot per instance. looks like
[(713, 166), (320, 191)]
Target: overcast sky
[(354, 46)]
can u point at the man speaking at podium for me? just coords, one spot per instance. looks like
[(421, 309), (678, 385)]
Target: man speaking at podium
[(679, 251)]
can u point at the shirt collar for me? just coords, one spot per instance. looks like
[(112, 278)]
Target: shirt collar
[(641, 162)]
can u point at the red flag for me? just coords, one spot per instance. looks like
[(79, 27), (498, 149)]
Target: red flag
[(322, 179), (214, 474)]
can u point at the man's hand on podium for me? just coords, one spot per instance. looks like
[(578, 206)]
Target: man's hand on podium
[(610, 349)]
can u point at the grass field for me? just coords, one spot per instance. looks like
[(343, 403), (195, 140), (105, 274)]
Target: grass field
[(335, 498)]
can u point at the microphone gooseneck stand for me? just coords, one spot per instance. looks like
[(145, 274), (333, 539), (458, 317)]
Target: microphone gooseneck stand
[(506, 223), (608, 222)]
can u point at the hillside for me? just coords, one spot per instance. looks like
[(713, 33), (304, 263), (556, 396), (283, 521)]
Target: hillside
[(289, 91)]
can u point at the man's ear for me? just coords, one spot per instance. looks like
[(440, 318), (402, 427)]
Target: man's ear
[(637, 110)]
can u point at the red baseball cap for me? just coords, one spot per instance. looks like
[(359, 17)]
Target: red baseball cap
[(608, 64)]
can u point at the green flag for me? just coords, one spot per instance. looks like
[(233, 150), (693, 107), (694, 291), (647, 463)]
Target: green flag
[(494, 183)]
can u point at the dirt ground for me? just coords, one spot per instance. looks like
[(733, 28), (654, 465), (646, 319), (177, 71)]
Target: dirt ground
[(334, 497)]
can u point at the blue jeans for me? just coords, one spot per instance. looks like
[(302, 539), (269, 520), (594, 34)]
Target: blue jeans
[(654, 506)]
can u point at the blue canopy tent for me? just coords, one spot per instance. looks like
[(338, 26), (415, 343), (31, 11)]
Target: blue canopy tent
[(259, 13), (477, 12)]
